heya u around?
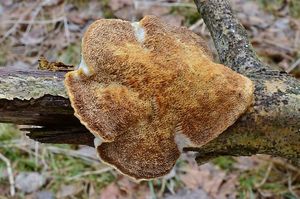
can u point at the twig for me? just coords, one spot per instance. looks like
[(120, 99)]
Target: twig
[(42, 22), (66, 27), (265, 177), (297, 39), (273, 43), (171, 186), (73, 153), (106, 169), (196, 25), (36, 152), (151, 187), (281, 163), (33, 16), (291, 188), (293, 66), (14, 27), (43, 160), (163, 188), (10, 143), (203, 28), (10, 174), (143, 4)]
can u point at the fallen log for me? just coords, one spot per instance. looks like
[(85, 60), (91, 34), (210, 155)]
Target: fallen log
[(270, 126)]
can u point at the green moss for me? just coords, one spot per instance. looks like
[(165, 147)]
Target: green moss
[(20, 160), (107, 12), (103, 179), (27, 164), (224, 162), (294, 6), (8, 132), (246, 187)]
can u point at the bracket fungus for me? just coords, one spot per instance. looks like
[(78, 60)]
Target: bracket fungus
[(147, 89)]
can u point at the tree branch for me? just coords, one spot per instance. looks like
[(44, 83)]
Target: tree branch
[(271, 126), (230, 37)]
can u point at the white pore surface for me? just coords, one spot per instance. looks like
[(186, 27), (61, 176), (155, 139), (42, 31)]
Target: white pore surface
[(181, 140), (139, 32), (97, 142), (85, 69)]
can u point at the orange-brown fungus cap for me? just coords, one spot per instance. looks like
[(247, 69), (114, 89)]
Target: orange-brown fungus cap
[(148, 89)]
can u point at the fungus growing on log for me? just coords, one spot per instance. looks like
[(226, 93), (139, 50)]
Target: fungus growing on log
[(147, 89)]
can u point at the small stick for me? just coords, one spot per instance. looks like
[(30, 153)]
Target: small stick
[(196, 25), (90, 173), (10, 175), (293, 66), (36, 152), (266, 176), (280, 162), (151, 187), (291, 189), (14, 27), (162, 189), (72, 153), (41, 22), (66, 27), (144, 4)]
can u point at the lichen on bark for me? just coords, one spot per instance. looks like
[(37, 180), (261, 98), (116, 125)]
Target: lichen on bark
[(26, 85)]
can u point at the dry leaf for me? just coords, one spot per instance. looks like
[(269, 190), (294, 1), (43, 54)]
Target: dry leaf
[(188, 194), (117, 4), (130, 189), (246, 163), (69, 190), (228, 188), (112, 191), (195, 178), (207, 177), (174, 20)]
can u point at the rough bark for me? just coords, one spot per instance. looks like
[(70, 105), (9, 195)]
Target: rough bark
[(39, 98), (271, 126)]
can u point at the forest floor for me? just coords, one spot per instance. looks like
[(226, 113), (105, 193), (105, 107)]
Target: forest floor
[(53, 29)]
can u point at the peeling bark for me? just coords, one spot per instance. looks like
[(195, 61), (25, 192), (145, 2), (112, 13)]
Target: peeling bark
[(39, 98), (271, 126)]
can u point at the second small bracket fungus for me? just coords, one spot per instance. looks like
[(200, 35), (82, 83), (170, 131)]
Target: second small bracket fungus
[(145, 103)]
